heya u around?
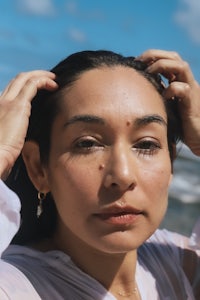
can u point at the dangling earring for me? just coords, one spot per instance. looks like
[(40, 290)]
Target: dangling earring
[(41, 197)]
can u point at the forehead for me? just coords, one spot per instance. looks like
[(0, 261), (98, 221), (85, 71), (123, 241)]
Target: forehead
[(119, 88)]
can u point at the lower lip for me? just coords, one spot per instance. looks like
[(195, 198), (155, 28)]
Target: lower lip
[(119, 219)]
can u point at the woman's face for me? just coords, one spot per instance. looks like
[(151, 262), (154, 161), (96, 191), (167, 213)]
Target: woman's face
[(109, 168)]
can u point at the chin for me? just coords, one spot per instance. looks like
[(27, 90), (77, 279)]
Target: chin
[(120, 243)]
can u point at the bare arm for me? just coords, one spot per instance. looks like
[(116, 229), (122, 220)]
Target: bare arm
[(15, 108)]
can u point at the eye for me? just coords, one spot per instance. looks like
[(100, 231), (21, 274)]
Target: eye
[(147, 147), (87, 145)]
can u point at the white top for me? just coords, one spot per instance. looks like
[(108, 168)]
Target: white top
[(9, 215), (29, 274)]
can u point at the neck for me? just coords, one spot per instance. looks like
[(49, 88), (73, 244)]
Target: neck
[(115, 271)]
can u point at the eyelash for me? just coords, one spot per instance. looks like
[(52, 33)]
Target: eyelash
[(147, 147), (144, 147), (87, 145)]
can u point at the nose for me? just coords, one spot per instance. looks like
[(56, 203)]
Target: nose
[(120, 170)]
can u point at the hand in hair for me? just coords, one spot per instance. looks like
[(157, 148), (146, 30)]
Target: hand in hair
[(15, 108), (183, 86)]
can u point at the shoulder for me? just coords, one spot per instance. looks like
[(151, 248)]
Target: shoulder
[(14, 284), (163, 247), (169, 239), (172, 245), (168, 255), (165, 239)]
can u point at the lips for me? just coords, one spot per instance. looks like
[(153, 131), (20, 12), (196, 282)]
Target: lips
[(116, 215), (120, 210)]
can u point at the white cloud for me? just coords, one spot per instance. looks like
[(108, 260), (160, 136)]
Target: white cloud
[(36, 7), (188, 16), (77, 35)]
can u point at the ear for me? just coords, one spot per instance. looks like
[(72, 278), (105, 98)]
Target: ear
[(36, 171)]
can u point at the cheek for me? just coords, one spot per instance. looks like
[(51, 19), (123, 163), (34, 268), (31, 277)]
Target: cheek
[(158, 178), (85, 182), (74, 180), (155, 188)]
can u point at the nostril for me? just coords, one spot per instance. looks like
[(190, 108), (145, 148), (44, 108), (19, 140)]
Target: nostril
[(128, 187), (122, 183), (114, 184), (131, 186)]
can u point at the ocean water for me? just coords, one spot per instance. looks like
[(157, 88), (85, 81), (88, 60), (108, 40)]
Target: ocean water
[(184, 194)]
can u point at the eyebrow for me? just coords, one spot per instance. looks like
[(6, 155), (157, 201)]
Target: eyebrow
[(85, 119), (139, 122), (147, 119)]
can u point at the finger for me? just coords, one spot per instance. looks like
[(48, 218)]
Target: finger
[(3, 93), (173, 70), (32, 86), (153, 55), (16, 84), (21, 79), (178, 90)]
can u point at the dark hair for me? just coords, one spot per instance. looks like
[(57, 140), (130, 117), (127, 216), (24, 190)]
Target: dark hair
[(45, 107)]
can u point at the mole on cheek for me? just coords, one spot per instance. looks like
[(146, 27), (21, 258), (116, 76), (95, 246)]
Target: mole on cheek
[(128, 123)]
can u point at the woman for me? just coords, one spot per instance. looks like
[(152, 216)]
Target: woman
[(99, 151)]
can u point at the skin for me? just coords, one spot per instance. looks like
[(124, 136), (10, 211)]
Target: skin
[(15, 106), (118, 159), (14, 113), (183, 85)]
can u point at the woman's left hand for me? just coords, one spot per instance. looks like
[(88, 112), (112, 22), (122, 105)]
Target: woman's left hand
[(182, 85)]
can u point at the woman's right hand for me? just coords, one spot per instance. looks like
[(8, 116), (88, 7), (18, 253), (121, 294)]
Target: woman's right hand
[(15, 109)]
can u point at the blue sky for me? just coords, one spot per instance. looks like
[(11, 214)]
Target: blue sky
[(36, 34)]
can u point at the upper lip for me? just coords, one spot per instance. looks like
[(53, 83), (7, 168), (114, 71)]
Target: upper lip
[(115, 209)]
